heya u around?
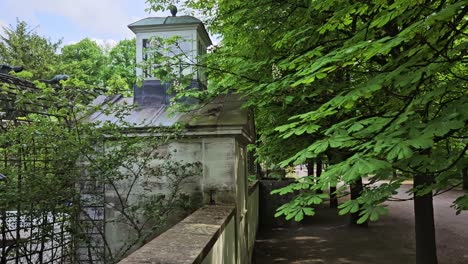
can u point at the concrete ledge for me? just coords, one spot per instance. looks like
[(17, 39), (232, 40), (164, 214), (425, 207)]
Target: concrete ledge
[(189, 241)]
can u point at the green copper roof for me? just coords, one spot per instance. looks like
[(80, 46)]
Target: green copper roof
[(170, 20)]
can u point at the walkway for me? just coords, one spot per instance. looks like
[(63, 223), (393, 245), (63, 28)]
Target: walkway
[(328, 239)]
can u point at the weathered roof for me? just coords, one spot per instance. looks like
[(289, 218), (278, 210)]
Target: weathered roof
[(151, 22), (222, 113), (170, 20)]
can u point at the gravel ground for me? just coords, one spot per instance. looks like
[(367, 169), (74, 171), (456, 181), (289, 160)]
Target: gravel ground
[(327, 238)]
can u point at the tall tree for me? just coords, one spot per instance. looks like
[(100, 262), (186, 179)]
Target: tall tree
[(121, 64), (384, 81), (20, 45), (84, 61)]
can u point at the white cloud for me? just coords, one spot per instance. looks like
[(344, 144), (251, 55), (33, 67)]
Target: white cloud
[(104, 20), (71, 42), (99, 41), (106, 44)]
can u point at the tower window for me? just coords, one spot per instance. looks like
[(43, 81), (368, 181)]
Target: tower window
[(181, 52)]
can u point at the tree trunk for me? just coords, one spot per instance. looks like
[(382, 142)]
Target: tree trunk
[(465, 178), (318, 171), (334, 158), (310, 167), (333, 198), (356, 190), (426, 251)]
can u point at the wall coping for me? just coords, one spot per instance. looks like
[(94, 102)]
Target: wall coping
[(189, 241)]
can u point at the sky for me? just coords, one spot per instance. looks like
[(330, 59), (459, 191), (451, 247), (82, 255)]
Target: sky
[(104, 21)]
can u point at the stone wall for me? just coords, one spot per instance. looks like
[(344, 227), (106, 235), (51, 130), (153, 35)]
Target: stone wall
[(208, 236), (253, 205), (220, 162)]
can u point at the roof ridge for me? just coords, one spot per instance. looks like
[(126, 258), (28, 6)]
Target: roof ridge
[(169, 20)]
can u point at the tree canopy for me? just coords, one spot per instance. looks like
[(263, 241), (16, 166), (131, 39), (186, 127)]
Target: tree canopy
[(91, 64), (120, 71), (20, 45), (382, 84), (383, 81), (379, 84), (87, 63)]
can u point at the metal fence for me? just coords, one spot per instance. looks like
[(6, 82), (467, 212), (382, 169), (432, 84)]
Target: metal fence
[(35, 196)]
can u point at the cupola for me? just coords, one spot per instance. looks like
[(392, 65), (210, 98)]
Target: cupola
[(194, 41)]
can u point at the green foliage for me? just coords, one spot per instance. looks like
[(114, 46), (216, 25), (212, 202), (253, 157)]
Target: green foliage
[(301, 206), (120, 75), (56, 161), (381, 83), (20, 45), (27, 75), (461, 203), (87, 64), (84, 61), (129, 167)]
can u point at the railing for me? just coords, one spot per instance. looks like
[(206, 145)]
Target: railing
[(33, 238), (208, 236)]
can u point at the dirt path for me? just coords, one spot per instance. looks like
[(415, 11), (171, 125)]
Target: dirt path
[(328, 239)]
